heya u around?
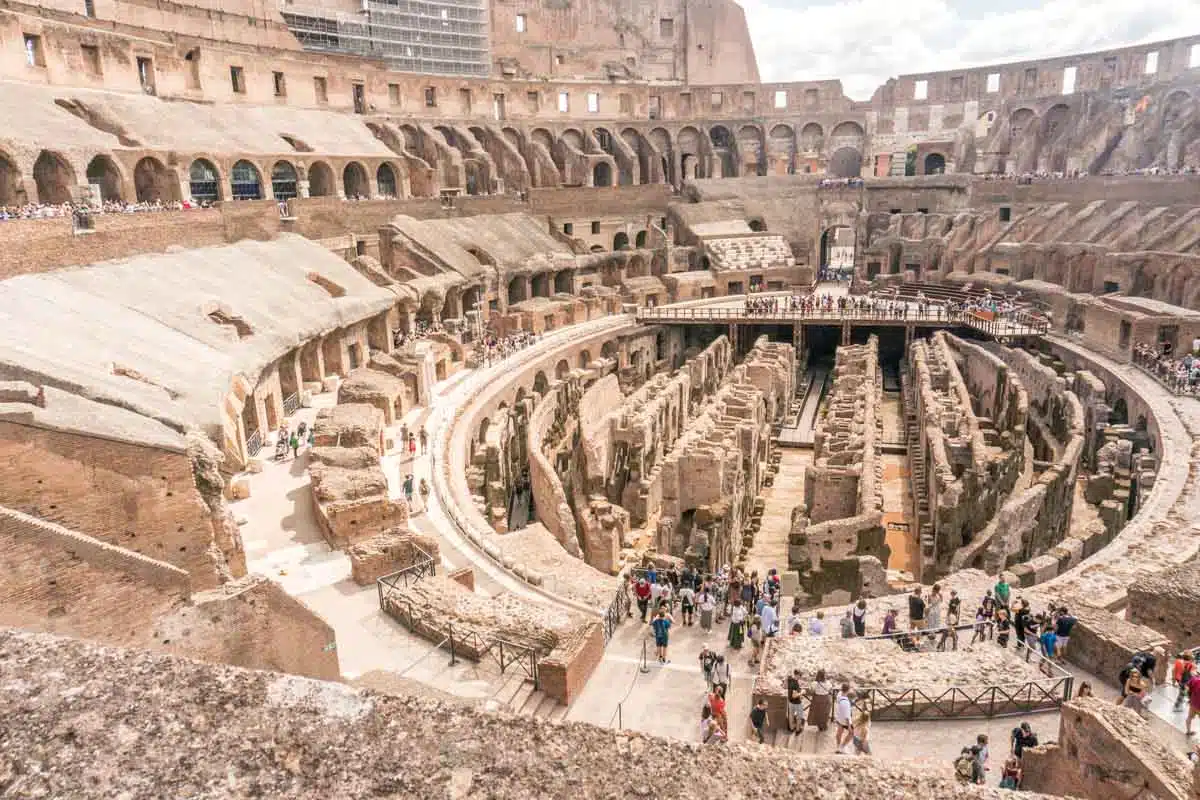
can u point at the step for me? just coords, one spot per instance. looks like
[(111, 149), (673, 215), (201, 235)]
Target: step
[(510, 689), (546, 707), (522, 696), (532, 701)]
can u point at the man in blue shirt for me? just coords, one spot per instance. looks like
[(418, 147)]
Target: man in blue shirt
[(662, 625), (1062, 631), (1048, 640)]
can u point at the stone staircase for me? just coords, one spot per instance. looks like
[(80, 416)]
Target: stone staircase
[(750, 252), (517, 695), (917, 467)]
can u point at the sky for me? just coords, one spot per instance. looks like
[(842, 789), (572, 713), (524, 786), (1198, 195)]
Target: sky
[(865, 42)]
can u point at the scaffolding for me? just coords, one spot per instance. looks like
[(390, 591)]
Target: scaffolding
[(442, 37)]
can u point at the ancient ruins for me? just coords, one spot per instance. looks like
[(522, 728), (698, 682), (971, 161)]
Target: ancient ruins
[(358, 363)]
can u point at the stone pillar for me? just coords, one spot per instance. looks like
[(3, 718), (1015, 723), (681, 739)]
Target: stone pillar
[(909, 332), (733, 337), (302, 188), (845, 333)]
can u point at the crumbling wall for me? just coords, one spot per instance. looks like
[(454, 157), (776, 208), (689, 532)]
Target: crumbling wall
[(973, 441), (1103, 643), (1167, 603), (837, 542), (390, 551), (1105, 751)]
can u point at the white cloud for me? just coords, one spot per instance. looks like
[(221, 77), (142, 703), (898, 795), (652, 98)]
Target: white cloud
[(865, 42)]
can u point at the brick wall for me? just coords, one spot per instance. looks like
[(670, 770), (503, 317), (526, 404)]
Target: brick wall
[(1103, 643), (60, 581), (618, 200), (563, 674), (464, 576), (135, 497)]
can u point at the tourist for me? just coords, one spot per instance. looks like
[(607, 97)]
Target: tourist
[(1193, 689), (966, 766), (933, 608), (861, 732), (666, 597), (1021, 622), (1181, 674), (424, 490), (795, 701), (981, 744), (1135, 683), (662, 626), (1135, 698), (1003, 625), (816, 625), (424, 441), (312, 435), (1021, 738), (755, 631), (408, 488), (889, 622), (758, 719), (989, 611), (721, 674), (981, 620), (412, 446), (860, 618), (1002, 590), (1048, 639), (1011, 777), (843, 713), (707, 604), (1063, 626), (656, 591), (687, 603), (708, 660), (916, 610), (642, 593), (770, 621), (820, 701), (737, 625), (716, 702), (795, 622), (848, 625), (1085, 690), (403, 435), (950, 632), (710, 728)]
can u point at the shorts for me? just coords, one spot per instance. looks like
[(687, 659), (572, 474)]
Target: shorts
[(796, 709), (687, 609), (660, 641), (917, 624), (1061, 642)]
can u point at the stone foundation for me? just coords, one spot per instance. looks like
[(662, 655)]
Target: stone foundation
[(390, 551)]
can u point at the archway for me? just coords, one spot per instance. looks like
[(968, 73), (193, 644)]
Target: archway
[(757, 225), (54, 178), (812, 138), (354, 182), (320, 180), (722, 142), (11, 193), (585, 358), (561, 369), (153, 182), (845, 163), (639, 240), (102, 172), (935, 164), (563, 281), (602, 174), (283, 181), (540, 284), (518, 290), (540, 383), (247, 183), (837, 248), (688, 166), (620, 241), (385, 180), (204, 182), (781, 150)]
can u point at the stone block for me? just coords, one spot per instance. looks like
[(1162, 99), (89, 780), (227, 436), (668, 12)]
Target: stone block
[(239, 487)]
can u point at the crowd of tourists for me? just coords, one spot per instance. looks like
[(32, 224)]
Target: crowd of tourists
[(841, 183), (824, 303), (1026, 178), (56, 210), (1180, 375), (492, 347), (420, 331)]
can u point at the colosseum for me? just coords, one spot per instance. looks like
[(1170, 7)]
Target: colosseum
[(446, 387)]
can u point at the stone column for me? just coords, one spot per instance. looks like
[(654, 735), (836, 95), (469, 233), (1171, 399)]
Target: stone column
[(845, 333)]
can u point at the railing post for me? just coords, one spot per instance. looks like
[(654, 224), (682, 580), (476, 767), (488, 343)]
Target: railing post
[(453, 661), (645, 665)]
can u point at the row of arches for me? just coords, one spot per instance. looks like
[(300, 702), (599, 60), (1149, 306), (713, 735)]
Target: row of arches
[(246, 183), (55, 181)]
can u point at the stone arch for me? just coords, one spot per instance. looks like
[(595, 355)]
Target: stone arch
[(11, 191), (284, 181), (563, 281), (633, 140), (781, 150), (620, 241), (723, 146), (602, 174), (153, 182), (518, 289), (1175, 107), (354, 181), (541, 384), (1020, 121), (385, 181), (636, 268), (246, 181), (585, 359), (514, 137), (482, 431), (639, 240), (573, 138), (1054, 121), (539, 284), (561, 369), (935, 164), (846, 162), (604, 138), (848, 130), (543, 137), (54, 177), (752, 149), (102, 171), (320, 180), (608, 349), (204, 181), (812, 138), (412, 139), (690, 146)]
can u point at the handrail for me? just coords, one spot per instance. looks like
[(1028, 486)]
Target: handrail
[(1017, 324), (1150, 365)]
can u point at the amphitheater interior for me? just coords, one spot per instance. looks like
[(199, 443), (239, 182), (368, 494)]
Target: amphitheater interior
[(349, 385)]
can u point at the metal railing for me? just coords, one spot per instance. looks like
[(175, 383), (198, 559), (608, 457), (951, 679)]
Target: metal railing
[(617, 611), (388, 584), (508, 653), (290, 404), (254, 443), (1014, 324), (618, 715), (1165, 373)]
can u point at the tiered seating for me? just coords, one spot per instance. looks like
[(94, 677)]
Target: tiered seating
[(750, 252), (937, 292)]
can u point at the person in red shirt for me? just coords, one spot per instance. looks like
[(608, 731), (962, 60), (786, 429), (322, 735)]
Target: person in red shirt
[(1193, 686), (642, 592)]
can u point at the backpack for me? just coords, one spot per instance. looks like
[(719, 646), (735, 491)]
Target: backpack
[(964, 768)]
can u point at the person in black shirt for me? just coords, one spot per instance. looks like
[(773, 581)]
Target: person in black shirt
[(1062, 632), (758, 718), (1021, 622), (795, 699), (1023, 737), (916, 610)]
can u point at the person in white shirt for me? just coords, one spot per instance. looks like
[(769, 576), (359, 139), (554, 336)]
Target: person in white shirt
[(687, 603), (770, 620), (843, 711), (816, 626)]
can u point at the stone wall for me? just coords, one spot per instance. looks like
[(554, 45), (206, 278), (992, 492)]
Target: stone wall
[(1166, 602), (389, 552), (42, 678), (1103, 643), (972, 436), (137, 497), (837, 540), (1105, 751)]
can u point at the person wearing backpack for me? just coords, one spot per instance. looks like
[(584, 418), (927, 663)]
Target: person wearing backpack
[(966, 766), (1023, 737), (1184, 668)]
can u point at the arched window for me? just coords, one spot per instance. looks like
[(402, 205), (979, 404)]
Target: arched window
[(247, 185), (385, 179), (283, 181), (205, 182)]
